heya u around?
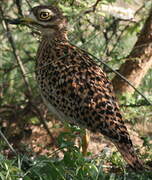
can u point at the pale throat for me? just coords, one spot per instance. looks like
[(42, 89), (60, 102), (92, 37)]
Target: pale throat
[(53, 34)]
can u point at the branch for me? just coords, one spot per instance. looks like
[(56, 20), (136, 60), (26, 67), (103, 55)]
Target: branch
[(93, 7), (124, 29), (42, 120), (11, 41), (28, 4), (6, 141), (134, 105), (23, 72), (135, 70), (18, 4)]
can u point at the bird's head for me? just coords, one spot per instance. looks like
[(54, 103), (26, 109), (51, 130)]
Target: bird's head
[(47, 19)]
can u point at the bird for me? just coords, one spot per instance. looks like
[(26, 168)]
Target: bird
[(74, 86)]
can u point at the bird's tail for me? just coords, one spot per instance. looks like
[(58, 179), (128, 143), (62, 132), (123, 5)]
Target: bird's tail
[(127, 151)]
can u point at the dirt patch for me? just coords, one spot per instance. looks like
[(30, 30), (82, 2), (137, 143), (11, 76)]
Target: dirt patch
[(41, 143)]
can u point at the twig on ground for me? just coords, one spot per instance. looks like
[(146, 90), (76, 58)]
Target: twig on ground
[(6, 141)]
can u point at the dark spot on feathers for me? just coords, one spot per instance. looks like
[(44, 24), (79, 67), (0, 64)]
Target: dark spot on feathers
[(81, 89), (90, 93), (70, 81), (102, 111), (118, 115), (94, 113), (98, 78), (109, 107), (109, 112)]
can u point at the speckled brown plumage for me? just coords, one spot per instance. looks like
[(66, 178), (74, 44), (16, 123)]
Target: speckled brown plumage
[(75, 88)]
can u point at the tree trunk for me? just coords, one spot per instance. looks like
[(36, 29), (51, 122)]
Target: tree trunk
[(139, 61)]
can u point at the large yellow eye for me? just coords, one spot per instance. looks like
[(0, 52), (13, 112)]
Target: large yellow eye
[(44, 15)]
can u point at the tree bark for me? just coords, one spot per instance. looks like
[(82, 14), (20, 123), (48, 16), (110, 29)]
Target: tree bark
[(138, 62)]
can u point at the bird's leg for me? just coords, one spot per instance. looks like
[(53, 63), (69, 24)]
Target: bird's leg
[(84, 136), (85, 141)]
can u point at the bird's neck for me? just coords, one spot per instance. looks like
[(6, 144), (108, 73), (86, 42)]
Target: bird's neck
[(52, 35), (49, 46)]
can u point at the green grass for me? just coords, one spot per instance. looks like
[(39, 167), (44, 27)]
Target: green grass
[(73, 166)]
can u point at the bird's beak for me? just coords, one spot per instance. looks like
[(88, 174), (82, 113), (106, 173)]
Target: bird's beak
[(24, 20), (27, 20)]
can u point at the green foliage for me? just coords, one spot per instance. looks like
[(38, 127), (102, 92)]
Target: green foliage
[(73, 166), (8, 169)]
